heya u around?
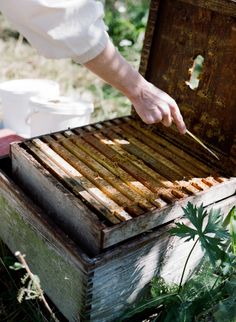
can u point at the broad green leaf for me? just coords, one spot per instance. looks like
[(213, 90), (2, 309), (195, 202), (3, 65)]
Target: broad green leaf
[(215, 224), (183, 231), (208, 227)]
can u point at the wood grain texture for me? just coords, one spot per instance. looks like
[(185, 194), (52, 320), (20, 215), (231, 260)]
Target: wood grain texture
[(224, 7), (197, 27), (70, 212), (131, 267), (64, 270), (95, 289), (158, 217), (73, 181), (92, 173), (233, 156), (101, 284), (70, 166), (153, 11)]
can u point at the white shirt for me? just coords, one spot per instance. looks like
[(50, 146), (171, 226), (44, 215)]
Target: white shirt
[(60, 28)]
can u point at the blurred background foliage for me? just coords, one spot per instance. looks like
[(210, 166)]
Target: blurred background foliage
[(126, 21)]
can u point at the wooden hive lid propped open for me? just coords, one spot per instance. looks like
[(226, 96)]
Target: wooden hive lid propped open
[(178, 31)]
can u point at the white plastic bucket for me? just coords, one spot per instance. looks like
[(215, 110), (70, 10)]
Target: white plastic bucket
[(61, 113), (15, 95)]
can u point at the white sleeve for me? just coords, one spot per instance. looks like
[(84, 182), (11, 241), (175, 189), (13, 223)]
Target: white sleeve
[(60, 28)]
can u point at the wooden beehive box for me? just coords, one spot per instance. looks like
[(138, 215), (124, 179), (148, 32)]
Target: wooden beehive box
[(114, 180), (111, 181), (115, 188), (84, 288)]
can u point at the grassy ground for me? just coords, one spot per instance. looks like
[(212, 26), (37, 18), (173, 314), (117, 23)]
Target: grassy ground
[(19, 60)]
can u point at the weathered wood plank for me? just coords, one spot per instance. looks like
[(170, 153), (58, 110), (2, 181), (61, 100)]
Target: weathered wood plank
[(96, 289), (158, 217), (135, 163), (233, 156), (156, 142), (135, 266), (96, 236), (130, 181), (64, 270), (70, 212), (105, 180), (204, 28), (224, 7), (74, 178), (155, 160), (125, 164), (153, 12), (110, 175)]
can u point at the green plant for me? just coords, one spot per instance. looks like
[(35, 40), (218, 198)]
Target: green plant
[(126, 21), (10, 309), (210, 294), (31, 288), (211, 235)]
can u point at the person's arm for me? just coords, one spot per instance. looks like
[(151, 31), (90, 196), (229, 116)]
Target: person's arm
[(152, 104), (75, 29), (60, 28)]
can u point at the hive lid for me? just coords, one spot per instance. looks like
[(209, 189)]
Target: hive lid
[(181, 34)]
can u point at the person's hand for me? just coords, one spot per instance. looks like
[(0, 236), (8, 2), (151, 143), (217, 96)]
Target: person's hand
[(154, 106)]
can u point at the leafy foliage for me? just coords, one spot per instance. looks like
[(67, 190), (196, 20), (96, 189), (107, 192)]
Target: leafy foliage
[(210, 294), (126, 21), (211, 234), (30, 285), (29, 290), (10, 310)]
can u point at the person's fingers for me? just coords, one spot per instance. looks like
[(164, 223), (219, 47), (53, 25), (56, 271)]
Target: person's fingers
[(166, 113), (152, 117), (177, 118), (155, 106), (170, 111), (148, 111)]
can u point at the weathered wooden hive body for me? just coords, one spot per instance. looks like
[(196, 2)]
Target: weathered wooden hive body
[(115, 188)]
